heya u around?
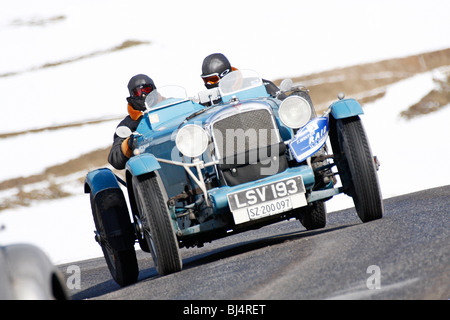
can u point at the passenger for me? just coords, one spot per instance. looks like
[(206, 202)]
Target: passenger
[(139, 87), (216, 66)]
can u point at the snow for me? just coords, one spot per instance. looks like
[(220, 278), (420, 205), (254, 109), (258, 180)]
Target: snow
[(281, 39), (49, 148), (410, 151)]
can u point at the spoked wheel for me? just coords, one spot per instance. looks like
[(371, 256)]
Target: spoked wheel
[(356, 167), (151, 201), (115, 234)]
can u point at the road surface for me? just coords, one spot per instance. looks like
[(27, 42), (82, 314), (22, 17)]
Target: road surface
[(405, 255)]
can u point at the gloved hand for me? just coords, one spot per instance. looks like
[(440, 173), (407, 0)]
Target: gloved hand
[(137, 103), (132, 142), (128, 146)]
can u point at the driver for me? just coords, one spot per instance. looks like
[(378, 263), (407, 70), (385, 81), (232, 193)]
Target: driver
[(216, 66), (139, 87)]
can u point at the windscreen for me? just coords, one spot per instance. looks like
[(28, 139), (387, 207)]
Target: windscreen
[(165, 96), (239, 80)]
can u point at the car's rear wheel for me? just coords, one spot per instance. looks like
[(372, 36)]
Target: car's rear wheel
[(356, 167), (151, 201), (115, 234)]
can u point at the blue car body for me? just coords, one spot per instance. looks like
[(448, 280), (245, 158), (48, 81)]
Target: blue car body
[(207, 195)]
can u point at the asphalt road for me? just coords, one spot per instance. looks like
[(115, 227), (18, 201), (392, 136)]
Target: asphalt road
[(405, 255)]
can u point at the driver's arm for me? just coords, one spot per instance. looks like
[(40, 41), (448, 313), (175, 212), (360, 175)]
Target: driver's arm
[(116, 157), (120, 152)]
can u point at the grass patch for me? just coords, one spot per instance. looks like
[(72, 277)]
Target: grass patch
[(37, 22), (57, 127), (432, 102), (365, 79), (124, 45)]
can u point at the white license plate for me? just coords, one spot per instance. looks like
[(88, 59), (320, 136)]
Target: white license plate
[(266, 200), (269, 208)]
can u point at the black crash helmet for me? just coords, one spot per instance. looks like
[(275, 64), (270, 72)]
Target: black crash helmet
[(215, 67), (140, 81)]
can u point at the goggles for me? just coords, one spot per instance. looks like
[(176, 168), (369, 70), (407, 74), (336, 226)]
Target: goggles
[(212, 78), (141, 90)]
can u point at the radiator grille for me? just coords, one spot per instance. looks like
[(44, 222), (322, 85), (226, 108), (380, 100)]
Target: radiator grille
[(243, 132)]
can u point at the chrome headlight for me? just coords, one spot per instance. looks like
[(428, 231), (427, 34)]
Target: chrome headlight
[(295, 112), (192, 140)]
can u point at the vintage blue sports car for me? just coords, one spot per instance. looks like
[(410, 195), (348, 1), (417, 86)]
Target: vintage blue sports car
[(229, 160)]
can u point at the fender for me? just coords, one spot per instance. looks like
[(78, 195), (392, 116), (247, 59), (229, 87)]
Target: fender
[(346, 108), (109, 209), (142, 164), (100, 179)]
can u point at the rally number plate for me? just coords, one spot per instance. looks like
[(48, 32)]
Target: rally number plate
[(268, 199)]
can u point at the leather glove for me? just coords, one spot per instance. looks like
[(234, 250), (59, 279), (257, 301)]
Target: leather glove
[(132, 142), (128, 146)]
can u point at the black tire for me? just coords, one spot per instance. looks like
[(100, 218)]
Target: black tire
[(357, 169), (151, 200), (115, 235), (313, 216)]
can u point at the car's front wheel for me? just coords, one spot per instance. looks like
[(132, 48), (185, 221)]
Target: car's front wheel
[(356, 167), (151, 200), (313, 216)]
